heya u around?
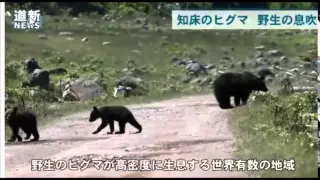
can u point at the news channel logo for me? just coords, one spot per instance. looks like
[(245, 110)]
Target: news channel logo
[(31, 19)]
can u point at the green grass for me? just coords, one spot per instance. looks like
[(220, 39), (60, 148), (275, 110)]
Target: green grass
[(258, 138)]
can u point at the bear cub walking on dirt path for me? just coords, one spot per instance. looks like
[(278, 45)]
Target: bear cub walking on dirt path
[(25, 120), (239, 85), (109, 114)]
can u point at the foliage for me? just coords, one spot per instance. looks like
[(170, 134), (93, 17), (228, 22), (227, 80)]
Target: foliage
[(33, 99), (291, 5), (278, 126), (296, 115), (11, 69), (179, 50), (312, 57)]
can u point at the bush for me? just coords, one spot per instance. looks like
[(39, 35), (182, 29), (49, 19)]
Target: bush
[(278, 126), (32, 98), (294, 114)]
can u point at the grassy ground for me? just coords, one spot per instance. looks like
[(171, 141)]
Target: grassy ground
[(153, 48), (259, 138)]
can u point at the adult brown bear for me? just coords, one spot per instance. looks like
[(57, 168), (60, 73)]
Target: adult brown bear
[(239, 85)]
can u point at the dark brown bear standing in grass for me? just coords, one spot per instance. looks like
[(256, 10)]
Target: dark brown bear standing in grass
[(109, 114), (239, 85), (25, 120)]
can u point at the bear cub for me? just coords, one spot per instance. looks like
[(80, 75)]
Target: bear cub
[(109, 114), (25, 120)]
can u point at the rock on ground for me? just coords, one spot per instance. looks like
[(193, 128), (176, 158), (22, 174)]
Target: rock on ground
[(65, 34), (86, 89)]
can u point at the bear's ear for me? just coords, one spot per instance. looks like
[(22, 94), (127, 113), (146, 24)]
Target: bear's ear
[(14, 110), (95, 108)]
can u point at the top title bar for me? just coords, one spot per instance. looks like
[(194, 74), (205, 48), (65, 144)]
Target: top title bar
[(244, 19)]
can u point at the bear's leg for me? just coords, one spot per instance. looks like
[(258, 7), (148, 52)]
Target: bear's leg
[(102, 126), (122, 127), (225, 103), (237, 100), (15, 134), (111, 124), (223, 99), (132, 120), (26, 129), (135, 124), (28, 135), (35, 134), (13, 138), (244, 98), (225, 106)]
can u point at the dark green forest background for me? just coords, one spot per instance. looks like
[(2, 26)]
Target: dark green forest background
[(149, 8)]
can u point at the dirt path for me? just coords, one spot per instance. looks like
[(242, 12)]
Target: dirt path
[(189, 128)]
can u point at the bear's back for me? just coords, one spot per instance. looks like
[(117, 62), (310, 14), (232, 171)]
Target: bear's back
[(114, 112), (229, 78), (232, 82), (22, 118)]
